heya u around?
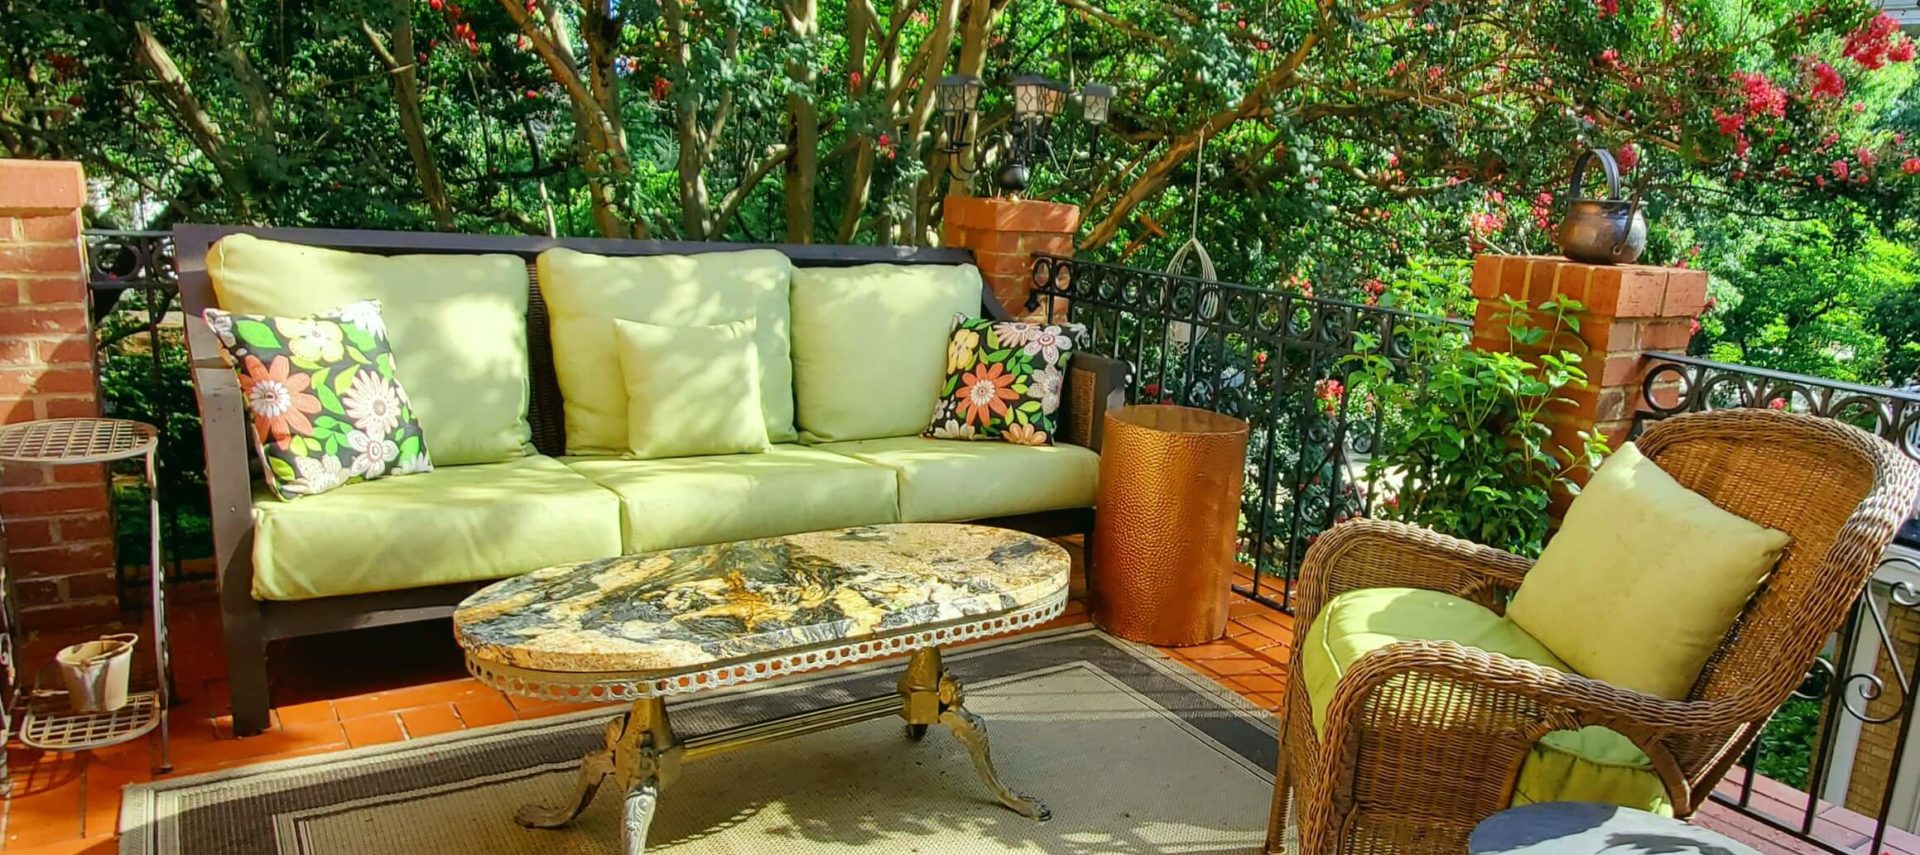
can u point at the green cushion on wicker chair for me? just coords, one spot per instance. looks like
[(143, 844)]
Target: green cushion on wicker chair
[(1590, 765)]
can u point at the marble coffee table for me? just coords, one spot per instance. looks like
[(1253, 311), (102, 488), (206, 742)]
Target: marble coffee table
[(641, 628)]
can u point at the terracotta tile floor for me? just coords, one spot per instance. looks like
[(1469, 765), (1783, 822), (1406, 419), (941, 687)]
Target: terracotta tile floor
[(396, 683)]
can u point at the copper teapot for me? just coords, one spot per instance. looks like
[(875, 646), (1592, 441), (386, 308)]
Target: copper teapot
[(1602, 231)]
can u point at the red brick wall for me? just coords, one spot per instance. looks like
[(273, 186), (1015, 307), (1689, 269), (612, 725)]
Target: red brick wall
[(1630, 309), (58, 533), (1004, 234)]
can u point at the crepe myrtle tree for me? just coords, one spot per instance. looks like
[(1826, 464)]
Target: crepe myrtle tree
[(1341, 138)]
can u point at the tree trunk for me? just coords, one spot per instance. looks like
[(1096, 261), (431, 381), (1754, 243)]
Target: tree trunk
[(696, 221), (252, 87), (860, 21), (406, 98), (803, 126), (192, 115)]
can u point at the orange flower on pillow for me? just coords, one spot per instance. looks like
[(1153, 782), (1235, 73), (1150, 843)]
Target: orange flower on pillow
[(279, 399), (984, 393)]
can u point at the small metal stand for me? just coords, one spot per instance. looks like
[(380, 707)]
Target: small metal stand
[(72, 442)]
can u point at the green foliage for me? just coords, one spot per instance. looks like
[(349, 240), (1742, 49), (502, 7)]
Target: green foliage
[(1468, 441), (135, 385), (1832, 300), (1786, 744)]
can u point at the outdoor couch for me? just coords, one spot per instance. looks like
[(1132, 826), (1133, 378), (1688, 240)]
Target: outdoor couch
[(507, 356)]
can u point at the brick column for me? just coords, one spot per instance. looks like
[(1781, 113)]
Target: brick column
[(59, 534), (1004, 234), (1630, 309)]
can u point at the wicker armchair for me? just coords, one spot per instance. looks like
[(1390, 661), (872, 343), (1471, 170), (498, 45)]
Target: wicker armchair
[(1387, 775)]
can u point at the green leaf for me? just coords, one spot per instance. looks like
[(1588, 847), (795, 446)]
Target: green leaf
[(329, 402), (256, 334), (344, 381), (355, 354), (409, 447), (357, 336), (282, 470)]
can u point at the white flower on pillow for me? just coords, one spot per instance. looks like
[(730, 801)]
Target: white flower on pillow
[(319, 474), (365, 315), (372, 403), (314, 341), (1015, 333), (1048, 383), (414, 465), (375, 452), (1048, 342), (953, 430)]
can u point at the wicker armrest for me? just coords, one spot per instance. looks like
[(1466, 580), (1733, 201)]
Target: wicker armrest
[(1368, 553), (1094, 384)]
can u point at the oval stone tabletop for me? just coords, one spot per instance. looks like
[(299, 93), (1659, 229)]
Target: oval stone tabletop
[(682, 609), (1581, 828)]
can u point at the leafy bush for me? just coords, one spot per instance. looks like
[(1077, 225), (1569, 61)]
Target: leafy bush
[(1468, 442)]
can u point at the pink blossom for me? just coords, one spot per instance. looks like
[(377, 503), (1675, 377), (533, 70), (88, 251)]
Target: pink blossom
[(1828, 142), (1827, 82), (1866, 157), (1839, 169), (1763, 97), (1628, 156), (1610, 58), (1741, 146)]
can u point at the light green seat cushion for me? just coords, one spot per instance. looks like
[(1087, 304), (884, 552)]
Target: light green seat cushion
[(692, 501), (950, 480), (454, 524), (1590, 765), (870, 345), (585, 293), (1644, 578), (457, 325), (691, 390)]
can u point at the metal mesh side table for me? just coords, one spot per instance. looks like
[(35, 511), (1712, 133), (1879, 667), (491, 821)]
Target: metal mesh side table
[(48, 723)]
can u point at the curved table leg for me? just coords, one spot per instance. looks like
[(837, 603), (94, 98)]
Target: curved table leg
[(593, 769), (930, 695), (637, 816)]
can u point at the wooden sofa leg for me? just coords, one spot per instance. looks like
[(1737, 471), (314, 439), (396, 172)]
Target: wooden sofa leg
[(247, 673)]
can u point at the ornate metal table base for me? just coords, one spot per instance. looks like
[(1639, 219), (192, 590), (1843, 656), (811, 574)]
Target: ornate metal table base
[(643, 755)]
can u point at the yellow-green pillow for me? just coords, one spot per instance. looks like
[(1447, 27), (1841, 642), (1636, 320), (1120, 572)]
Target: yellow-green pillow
[(457, 325), (691, 390), (870, 346), (585, 292), (1644, 578)]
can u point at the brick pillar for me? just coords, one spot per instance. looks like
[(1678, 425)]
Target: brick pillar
[(59, 535), (1630, 309), (1004, 234)]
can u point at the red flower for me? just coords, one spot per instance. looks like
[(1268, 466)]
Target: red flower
[(1740, 146), (853, 78), (1608, 8), (1911, 166), (1763, 98), (661, 86), (1839, 169), (1902, 52), (1693, 327), (884, 140), (1777, 404), (1866, 157), (1872, 45), (1729, 123), (1628, 155), (1827, 82), (1610, 58)]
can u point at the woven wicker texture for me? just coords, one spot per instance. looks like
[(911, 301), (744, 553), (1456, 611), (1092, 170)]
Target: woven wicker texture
[(1423, 740)]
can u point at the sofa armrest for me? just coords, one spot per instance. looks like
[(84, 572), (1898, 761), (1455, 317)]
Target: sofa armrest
[(224, 436), (1094, 384)]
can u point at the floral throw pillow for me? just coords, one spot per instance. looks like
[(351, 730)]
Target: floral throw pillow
[(1004, 381), (327, 409)]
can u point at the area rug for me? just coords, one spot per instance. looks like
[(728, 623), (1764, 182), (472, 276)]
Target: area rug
[(1134, 754)]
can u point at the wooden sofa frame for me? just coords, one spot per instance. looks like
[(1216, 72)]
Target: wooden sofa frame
[(1095, 383)]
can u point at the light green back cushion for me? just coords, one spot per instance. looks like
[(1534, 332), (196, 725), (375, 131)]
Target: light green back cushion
[(457, 324), (870, 345), (1594, 764), (691, 390), (585, 293), (1644, 578)]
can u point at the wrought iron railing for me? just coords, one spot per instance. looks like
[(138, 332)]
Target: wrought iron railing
[(1844, 743), (144, 376), (1279, 359)]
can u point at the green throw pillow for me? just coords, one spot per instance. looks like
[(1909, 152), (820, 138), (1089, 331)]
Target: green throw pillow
[(1004, 381), (327, 407), (1644, 578), (691, 390)]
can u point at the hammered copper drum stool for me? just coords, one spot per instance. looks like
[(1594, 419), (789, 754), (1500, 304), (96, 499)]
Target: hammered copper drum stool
[(1169, 511)]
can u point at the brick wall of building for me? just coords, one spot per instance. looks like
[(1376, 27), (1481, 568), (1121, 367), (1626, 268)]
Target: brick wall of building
[(59, 533)]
